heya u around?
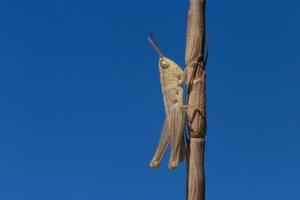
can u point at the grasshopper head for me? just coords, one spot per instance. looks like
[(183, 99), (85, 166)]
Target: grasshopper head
[(164, 62), (167, 63)]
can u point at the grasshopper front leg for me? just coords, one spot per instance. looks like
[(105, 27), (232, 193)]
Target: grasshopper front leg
[(191, 66)]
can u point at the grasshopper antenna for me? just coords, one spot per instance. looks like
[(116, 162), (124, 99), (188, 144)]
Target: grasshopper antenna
[(154, 43)]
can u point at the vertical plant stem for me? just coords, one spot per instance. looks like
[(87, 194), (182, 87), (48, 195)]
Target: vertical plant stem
[(196, 81)]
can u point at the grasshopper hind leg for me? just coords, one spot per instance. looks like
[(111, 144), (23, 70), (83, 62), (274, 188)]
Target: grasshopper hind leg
[(162, 145), (177, 140)]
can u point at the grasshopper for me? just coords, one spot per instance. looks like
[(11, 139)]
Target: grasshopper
[(172, 79)]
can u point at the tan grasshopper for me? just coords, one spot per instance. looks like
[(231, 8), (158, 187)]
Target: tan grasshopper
[(172, 78)]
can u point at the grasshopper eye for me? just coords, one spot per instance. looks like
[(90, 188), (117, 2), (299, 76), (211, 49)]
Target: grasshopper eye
[(164, 64)]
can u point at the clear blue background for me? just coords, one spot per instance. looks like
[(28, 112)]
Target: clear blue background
[(81, 107)]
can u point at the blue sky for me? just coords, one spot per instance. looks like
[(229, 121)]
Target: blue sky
[(81, 107)]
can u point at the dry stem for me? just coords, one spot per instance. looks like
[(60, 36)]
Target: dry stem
[(196, 79)]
